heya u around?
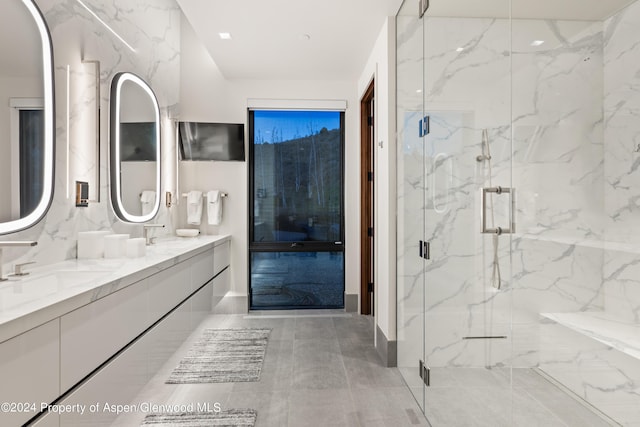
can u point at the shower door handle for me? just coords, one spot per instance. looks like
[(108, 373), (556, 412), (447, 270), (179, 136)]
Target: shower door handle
[(512, 210)]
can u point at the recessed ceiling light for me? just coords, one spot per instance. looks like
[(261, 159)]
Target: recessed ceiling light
[(537, 43), (460, 49), (419, 91), (225, 36)]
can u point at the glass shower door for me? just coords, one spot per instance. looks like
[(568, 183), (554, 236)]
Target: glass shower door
[(468, 207), (410, 203)]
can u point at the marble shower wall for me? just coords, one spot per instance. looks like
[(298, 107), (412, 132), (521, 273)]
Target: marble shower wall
[(622, 164), (152, 29), (550, 99), (558, 170)]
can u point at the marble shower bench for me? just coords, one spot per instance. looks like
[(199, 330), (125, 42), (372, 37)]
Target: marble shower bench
[(597, 356)]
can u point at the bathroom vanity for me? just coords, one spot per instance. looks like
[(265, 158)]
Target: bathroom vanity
[(86, 331)]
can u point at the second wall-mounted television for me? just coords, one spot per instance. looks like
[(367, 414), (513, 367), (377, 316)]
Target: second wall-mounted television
[(211, 141)]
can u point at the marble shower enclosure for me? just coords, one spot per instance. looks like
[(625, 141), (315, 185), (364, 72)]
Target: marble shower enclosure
[(564, 113), (152, 29)]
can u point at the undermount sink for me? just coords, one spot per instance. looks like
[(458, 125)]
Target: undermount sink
[(26, 289)]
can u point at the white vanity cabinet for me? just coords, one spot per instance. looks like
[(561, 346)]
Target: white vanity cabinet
[(27, 360), (49, 420), (168, 288), (179, 298), (106, 340), (223, 256), (202, 269), (93, 333)]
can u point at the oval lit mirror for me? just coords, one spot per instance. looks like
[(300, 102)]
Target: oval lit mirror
[(134, 149), (27, 127)]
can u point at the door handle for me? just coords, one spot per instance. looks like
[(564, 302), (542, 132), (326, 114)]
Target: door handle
[(483, 210)]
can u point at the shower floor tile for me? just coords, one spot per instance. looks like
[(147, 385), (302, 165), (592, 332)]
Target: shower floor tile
[(502, 397)]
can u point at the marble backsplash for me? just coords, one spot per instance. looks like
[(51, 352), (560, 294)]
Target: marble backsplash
[(152, 29)]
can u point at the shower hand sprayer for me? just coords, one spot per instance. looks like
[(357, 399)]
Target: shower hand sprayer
[(496, 279), (486, 155)]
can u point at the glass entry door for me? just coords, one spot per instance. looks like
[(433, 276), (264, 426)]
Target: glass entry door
[(296, 249)]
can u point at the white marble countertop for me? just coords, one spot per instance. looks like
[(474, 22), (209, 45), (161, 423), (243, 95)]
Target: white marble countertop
[(53, 290), (617, 333)]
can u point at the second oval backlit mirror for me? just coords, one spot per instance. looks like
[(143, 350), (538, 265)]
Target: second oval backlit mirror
[(134, 149)]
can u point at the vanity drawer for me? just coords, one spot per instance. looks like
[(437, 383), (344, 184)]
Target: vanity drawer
[(52, 419), (202, 269), (167, 289), (222, 257), (116, 383), (27, 360), (91, 334)]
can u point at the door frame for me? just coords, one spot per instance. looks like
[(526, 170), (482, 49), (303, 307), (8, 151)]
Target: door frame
[(367, 191)]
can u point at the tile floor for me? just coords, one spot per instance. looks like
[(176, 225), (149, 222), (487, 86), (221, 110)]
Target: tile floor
[(320, 369)]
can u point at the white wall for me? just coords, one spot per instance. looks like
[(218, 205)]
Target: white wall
[(381, 67), (207, 96)]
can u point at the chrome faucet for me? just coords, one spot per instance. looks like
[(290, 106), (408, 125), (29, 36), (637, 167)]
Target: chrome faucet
[(147, 239), (18, 269), (13, 244)]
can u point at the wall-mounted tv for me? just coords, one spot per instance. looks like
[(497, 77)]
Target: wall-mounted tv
[(211, 141)]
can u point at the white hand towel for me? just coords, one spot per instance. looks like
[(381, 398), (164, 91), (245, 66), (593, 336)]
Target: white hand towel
[(147, 200), (214, 207), (194, 207)]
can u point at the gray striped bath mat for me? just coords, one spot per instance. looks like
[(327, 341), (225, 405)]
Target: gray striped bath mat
[(223, 356), (228, 418)]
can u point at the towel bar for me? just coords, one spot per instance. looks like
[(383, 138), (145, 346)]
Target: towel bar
[(205, 195)]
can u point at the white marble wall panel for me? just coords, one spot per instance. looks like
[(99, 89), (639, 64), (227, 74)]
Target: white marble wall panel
[(622, 161), (622, 130), (622, 284), (555, 277), (558, 137), (558, 172), (152, 28)]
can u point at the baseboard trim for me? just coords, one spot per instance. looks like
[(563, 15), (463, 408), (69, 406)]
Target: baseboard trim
[(387, 350), (230, 304), (351, 303)]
